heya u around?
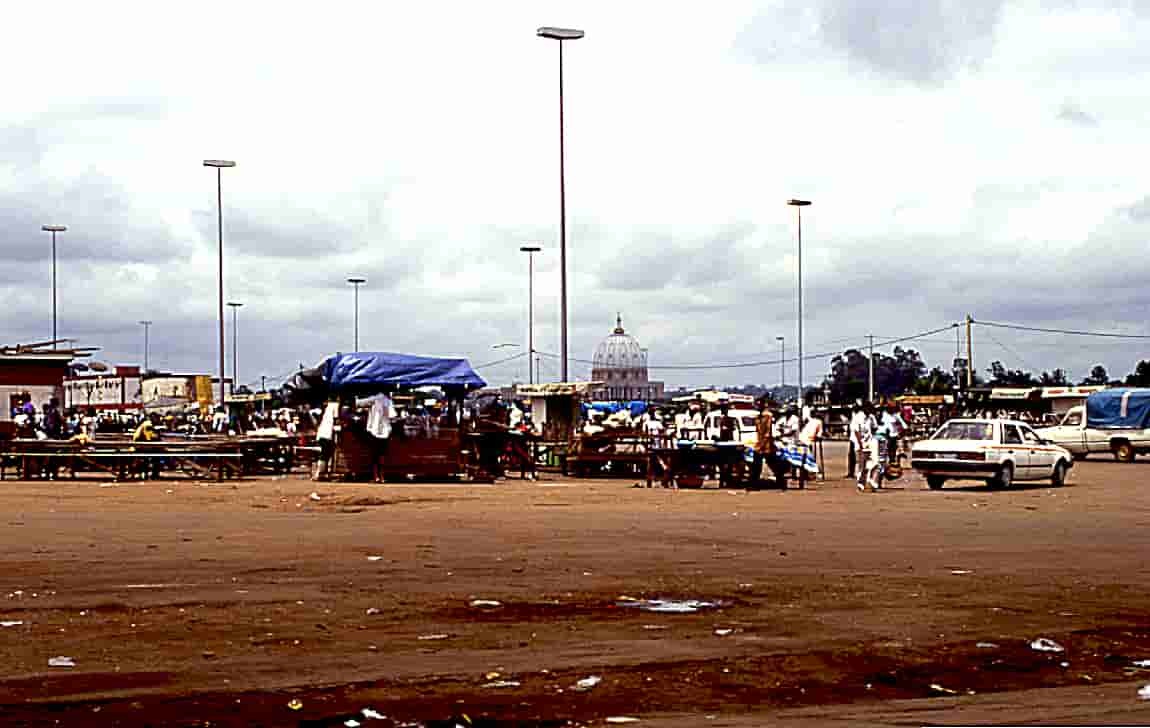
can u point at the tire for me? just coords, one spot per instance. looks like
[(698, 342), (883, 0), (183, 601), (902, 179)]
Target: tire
[(1124, 452), (1058, 478), (1005, 476), (934, 482)]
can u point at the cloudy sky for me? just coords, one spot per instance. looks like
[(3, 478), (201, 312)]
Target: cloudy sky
[(964, 156)]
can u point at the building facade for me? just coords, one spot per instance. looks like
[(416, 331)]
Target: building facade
[(619, 369)]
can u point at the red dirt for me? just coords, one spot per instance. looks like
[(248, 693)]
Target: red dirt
[(203, 604)]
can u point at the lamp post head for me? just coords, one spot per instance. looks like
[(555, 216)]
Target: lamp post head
[(779, 338), (798, 203), (356, 280), (233, 304), (146, 323), (53, 228), (559, 33), (218, 163), (530, 248)]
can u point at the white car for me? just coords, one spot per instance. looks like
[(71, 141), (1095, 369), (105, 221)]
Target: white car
[(997, 451)]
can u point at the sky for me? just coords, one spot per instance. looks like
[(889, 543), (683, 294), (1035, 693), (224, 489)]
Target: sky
[(963, 157)]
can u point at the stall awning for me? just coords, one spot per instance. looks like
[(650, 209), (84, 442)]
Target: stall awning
[(555, 389), (362, 372), (1012, 393), (1080, 392)]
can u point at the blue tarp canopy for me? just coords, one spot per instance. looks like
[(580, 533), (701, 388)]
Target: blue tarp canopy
[(1123, 408), (365, 372), (635, 407)]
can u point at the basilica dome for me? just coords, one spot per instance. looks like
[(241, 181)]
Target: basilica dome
[(620, 369), (620, 351)]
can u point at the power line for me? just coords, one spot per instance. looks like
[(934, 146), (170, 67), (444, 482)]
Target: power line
[(1069, 332), (513, 357), (772, 362)]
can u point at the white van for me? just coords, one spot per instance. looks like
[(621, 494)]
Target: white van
[(745, 418)]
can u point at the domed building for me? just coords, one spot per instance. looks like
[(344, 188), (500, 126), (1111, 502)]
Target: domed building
[(620, 368)]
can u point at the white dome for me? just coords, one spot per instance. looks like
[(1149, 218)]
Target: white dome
[(620, 351)]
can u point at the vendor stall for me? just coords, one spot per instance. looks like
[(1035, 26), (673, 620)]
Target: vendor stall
[(364, 434)]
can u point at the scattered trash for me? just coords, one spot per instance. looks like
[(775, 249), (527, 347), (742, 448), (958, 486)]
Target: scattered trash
[(621, 719), (372, 714), (587, 683), (375, 558), (314, 496), (295, 704), (667, 606), (1137, 663), (428, 637), (960, 572), (723, 631), (940, 689), (655, 626), (492, 675), (485, 603), (502, 684), (352, 723), (1064, 664), (1043, 644), (372, 610), (61, 661), (987, 645), (1144, 692), (18, 622)]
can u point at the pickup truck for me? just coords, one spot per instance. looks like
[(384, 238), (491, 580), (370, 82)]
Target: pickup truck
[(1113, 421)]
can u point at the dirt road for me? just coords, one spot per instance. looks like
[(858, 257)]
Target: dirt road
[(194, 604)]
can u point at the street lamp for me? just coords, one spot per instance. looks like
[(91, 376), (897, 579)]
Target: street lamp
[(562, 34), (799, 205), (220, 164), (782, 365), (235, 344), (145, 324), (53, 229), (356, 282), (531, 250)]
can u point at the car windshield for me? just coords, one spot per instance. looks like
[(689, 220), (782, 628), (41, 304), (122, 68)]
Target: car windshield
[(965, 431)]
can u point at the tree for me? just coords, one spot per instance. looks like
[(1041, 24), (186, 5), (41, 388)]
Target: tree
[(893, 375), (1141, 375), (1098, 375), (937, 381), (1002, 377), (1056, 378)]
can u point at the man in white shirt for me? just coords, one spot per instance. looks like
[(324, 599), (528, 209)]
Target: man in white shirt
[(854, 439), (896, 426)]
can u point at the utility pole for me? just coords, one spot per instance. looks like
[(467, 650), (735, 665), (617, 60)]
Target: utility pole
[(870, 370), (969, 354)]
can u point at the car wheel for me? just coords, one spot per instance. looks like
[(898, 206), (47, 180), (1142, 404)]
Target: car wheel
[(1005, 476), (934, 482), (1058, 479), (1124, 452)]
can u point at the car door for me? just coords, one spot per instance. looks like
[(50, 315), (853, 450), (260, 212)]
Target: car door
[(1041, 456), (1016, 451)]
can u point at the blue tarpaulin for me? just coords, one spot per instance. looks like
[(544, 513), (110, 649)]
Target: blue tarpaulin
[(367, 371), (1115, 409)]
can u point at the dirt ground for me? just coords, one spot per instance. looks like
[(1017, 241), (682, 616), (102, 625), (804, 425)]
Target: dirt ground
[(256, 603)]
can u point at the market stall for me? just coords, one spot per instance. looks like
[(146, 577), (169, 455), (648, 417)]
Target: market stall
[(363, 434)]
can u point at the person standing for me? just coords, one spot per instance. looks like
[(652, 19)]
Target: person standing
[(854, 444), (864, 436), (764, 443), (895, 426)]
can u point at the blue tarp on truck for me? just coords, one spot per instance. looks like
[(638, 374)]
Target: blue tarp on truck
[(1119, 409)]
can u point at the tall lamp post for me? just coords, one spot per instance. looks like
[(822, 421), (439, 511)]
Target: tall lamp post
[(146, 325), (235, 344), (531, 250), (53, 229), (562, 34), (220, 164), (356, 282), (782, 364), (799, 205)]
